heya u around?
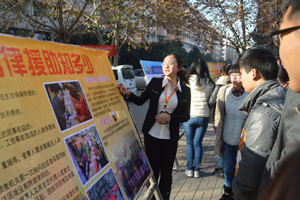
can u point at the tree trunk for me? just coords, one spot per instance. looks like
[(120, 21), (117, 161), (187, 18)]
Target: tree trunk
[(116, 42)]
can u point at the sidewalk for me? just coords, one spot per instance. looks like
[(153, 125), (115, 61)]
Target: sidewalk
[(207, 186)]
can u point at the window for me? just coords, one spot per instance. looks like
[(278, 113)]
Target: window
[(127, 73), (36, 9), (116, 74), (139, 73)]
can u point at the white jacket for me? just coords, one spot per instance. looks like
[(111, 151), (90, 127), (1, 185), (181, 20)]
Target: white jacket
[(199, 96)]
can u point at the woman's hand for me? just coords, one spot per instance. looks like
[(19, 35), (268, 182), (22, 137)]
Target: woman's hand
[(123, 89), (162, 117), (215, 130)]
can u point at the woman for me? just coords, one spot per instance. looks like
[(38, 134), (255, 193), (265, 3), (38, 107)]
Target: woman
[(80, 106), (228, 125), (201, 86), (169, 105), (223, 80), (283, 77)]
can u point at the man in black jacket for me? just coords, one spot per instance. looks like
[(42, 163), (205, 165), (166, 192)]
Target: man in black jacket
[(264, 104), (288, 138)]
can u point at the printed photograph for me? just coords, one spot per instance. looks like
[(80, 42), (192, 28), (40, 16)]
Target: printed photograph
[(68, 103), (106, 188), (133, 170), (87, 153)]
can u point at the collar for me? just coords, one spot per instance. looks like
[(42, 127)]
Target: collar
[(166, 82), (257, 95), (241, 90)]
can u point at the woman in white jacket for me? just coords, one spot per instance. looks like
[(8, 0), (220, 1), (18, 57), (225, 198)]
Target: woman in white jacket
[(201, 86)]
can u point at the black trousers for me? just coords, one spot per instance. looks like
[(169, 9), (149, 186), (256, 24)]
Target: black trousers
[(161, 155)]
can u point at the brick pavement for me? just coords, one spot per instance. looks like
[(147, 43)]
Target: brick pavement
[(207, 186)]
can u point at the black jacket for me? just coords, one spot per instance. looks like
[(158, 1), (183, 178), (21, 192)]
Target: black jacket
[(288, 138), (153, 92), (264, 106), (223, 80)]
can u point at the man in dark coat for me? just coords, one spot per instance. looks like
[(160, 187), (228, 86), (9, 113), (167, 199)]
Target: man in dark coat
[(288, 138), (264, 105)]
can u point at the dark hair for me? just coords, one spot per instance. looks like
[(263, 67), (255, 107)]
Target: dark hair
[(200, 68), (283, 76), (180, 73), (295, 6), (260, 59), (234, 69), (225, 68), (74, 94), (286, 183), (55, 88)]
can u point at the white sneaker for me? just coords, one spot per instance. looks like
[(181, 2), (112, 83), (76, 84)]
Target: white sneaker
[(189, 173), (196, 174)]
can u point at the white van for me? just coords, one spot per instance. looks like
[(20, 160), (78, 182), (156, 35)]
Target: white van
[(125, 75)]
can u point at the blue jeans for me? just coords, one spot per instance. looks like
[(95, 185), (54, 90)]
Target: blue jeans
[(194, 130), (229, 160), (220, 161)]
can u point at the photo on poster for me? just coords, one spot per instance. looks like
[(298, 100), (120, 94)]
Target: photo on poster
[(87, 153), (105, 188), (133, 170), (68, 103)]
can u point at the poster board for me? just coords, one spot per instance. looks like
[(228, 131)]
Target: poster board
[(66, 132), (214, 69), (151, 69)]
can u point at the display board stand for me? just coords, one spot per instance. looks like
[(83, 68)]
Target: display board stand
[(152, 188), (66, 132)]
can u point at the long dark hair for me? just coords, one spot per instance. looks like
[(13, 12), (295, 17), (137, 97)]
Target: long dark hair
[(200, 68), (180, 73)]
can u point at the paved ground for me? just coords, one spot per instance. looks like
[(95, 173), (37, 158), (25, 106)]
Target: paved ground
[(183, 188), (205, 187)]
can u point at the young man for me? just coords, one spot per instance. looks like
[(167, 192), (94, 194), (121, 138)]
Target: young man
[(229, 121), (59, 107), (288, 40), (264, 104)]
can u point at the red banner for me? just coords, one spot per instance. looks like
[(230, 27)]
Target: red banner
[(110, 48)]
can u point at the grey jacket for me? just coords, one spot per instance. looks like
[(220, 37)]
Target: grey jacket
[(288, 138), (264, 106)]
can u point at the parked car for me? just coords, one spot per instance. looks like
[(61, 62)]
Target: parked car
[(139, 78), (125, 75)]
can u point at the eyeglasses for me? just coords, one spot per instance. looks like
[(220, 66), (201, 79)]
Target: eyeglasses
[(169, 64), (235, 75), (276, 34)]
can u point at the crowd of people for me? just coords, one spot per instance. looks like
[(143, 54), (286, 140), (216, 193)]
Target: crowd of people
[(256, 109), (256, 106)]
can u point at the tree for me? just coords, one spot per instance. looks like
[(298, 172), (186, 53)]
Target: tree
[(234, 20), (157, 52), (137, 22), (192, 55), (207, 57), (60, 17), (123, 21)]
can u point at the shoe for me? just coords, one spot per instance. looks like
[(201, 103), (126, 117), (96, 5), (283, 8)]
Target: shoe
[(217, 169), (228, 194), (189, 173), (220, 173), (196, 174)]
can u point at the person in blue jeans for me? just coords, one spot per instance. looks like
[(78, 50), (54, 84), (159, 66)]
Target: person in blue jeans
[(201, 86), (229, 121)]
